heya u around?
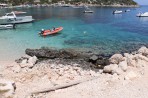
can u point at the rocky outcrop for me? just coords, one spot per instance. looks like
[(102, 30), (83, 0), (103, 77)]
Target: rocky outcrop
[(93, 58), (116, 64), (110, 68), (143, 50), (32, 61), (116, 58), (123, 64), (23, 63), (53, 53), (68, 54), (113, 68), (27, 61), (65, 69)]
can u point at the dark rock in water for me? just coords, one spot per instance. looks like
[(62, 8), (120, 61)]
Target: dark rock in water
[(52, 54), (94, 58), (102, 62), (41, 53), (69, 54)]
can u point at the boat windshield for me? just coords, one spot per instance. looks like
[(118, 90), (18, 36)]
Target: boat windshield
[(9, 14)]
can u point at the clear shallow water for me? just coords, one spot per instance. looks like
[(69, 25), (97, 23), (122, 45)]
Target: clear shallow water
[(101, 31)]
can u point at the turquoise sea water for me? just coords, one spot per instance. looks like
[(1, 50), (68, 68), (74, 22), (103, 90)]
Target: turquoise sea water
[(100, 31)]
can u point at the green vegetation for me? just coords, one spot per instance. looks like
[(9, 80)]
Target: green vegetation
[(100, 2)]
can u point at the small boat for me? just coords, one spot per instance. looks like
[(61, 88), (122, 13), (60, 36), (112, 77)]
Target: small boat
[(88, 10), (128, 10), (51, 32), (117, 12), (65, 5), (7, 26), (142, 14)]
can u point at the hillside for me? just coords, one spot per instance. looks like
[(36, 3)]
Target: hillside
[(101, 2), (98, 2)]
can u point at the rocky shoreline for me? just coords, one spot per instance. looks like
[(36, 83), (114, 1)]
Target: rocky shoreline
[(70, 54), (116, 5), (42, 68)]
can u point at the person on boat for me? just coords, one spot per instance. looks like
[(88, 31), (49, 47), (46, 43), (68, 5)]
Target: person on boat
[(42, 31), (54, 28)]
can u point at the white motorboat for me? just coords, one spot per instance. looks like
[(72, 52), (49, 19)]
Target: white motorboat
[(128, 10), (117, 12), (65, 5), (142, 14), (88, 10), (13, 18), (7, 26)]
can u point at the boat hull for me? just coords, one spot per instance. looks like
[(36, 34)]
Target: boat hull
[(142, 14), (50, 32), (127, 10), (10, 26), (117, 12), (16, 20), (88, 12)]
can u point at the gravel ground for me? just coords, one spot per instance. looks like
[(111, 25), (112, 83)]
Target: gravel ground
[(50, 73)]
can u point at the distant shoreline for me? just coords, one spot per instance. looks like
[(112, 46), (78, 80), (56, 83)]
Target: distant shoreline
[(118, 5), (70, 5)]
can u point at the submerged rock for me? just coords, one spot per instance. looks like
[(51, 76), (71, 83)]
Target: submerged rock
[(93, 58)]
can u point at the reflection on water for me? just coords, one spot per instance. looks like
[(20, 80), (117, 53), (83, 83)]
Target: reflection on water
[(118, 16), (24, 26), (143, 19)]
